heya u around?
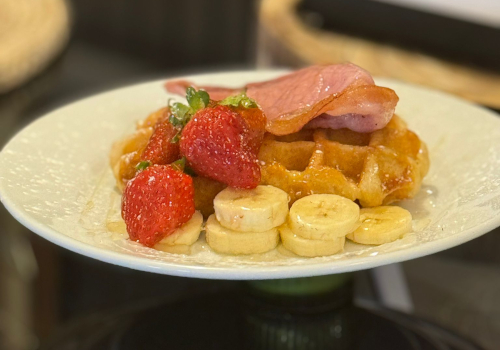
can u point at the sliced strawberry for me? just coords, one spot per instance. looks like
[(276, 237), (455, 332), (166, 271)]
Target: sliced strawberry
[(160, 149), (156, 202), (218, 144)]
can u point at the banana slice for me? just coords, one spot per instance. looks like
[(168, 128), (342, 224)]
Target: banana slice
[(227, 241), (258, 210), (323, 217), (309, 247), (187, 234), (381, 225)]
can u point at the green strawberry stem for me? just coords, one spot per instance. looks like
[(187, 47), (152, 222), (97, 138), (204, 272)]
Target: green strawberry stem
[(179, 164), (142, 165), (240, 100)]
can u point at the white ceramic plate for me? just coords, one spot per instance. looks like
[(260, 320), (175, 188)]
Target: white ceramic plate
[(55, 180)]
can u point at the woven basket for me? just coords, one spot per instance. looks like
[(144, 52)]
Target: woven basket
[(285, 39), (32, 33)]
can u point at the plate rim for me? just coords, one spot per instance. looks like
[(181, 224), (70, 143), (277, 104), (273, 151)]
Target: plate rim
[(246, 272)]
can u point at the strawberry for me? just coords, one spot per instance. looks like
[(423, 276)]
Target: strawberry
[(256, 122), (160, 149), (156, 202), (217, 143)]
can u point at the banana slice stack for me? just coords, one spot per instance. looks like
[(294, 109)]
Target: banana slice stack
[(252, 221), (318, 225), (181, 240), (246, 221)]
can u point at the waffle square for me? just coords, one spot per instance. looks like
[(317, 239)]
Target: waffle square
[(374, 169)]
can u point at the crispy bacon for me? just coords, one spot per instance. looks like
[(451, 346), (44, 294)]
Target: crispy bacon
[(333, 96), (362, 109)]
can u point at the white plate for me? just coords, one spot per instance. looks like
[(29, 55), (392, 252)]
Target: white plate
[(55, 180)]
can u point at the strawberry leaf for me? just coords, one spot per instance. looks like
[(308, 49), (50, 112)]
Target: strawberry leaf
[(182, 114), (180, 110), (197, 99), (142, 165), (179, 164), (204, 97), (239, 100)]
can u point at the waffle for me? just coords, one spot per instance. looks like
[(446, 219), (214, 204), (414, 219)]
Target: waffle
[(373, 168), (126, 153)]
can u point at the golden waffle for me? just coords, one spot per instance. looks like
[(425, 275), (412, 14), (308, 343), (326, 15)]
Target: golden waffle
[(126, 153), (374, 168)]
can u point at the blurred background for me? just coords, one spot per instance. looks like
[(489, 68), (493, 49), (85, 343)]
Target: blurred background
[(53, 52)]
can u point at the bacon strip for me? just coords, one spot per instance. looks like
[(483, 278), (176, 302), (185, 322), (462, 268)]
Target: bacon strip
[(334, 96), (362, 109)]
